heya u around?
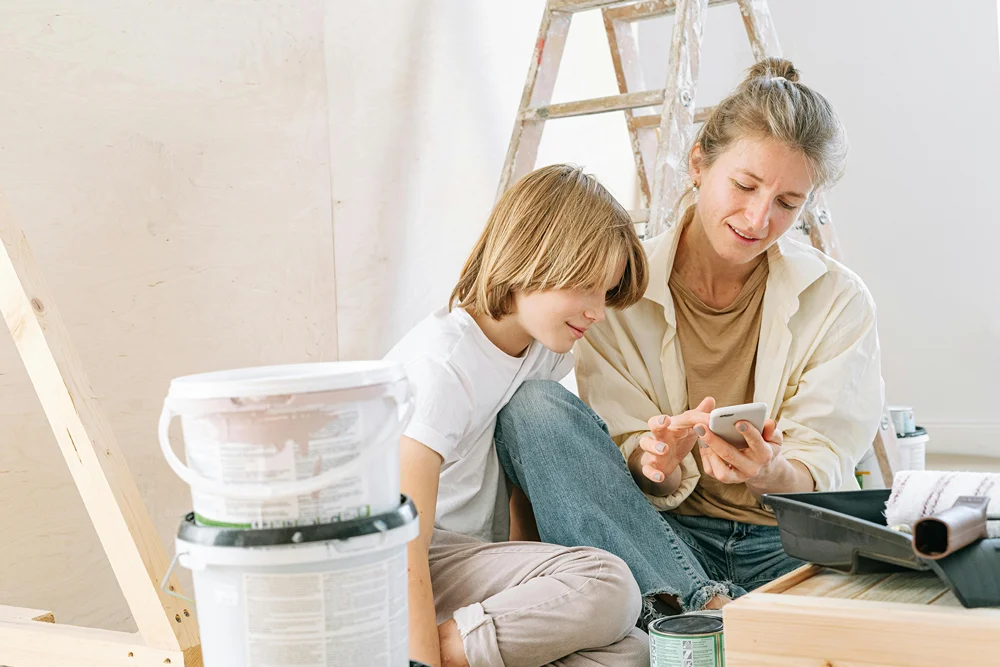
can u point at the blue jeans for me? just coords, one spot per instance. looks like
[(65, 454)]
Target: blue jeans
[(558, 451)]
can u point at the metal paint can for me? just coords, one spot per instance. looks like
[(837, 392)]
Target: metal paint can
[(689, 640)]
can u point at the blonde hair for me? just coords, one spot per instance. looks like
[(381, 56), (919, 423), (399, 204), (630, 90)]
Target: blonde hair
[(556, 228), (772, 104)]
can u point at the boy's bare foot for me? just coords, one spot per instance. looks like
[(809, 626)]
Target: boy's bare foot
[(452, 648), (718, 602)]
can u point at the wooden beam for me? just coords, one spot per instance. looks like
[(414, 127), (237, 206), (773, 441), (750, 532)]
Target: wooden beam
[(88, 444), (33, 644), (646, 98), (527, 135), (767, 629), (651, 9), (760, 29), (652, 120), (23, 614)]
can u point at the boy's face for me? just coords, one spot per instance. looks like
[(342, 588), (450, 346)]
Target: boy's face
[(559, 318)]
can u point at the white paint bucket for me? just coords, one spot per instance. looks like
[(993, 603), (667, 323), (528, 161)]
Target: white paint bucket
[(913, 450), (868, 473), (293, 445), (316, 596), (903, 419)]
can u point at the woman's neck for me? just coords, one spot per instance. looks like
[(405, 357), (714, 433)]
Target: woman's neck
[(506, 333), (715, 280)]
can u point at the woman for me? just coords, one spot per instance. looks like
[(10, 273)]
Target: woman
[(734, 312)]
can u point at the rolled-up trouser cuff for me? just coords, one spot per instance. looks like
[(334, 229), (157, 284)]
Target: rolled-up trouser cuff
[(479, 636)]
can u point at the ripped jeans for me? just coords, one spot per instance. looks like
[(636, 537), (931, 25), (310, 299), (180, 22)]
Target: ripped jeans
[(557, 450)]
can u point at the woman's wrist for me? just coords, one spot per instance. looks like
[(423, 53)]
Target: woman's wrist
[(781, 475)]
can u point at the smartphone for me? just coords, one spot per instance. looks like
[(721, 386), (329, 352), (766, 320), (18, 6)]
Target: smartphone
[(722, 421)]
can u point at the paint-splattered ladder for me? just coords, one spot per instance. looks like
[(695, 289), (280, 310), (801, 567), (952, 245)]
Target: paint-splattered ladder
[(660, 140)]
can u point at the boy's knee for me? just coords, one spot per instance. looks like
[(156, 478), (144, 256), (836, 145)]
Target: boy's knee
[(617, 601), (535, 395)]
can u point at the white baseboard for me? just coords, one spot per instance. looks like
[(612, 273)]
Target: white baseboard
[(963, 439)]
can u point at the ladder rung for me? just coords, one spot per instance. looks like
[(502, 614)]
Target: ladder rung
[(584, 5), (648, 9), (646, 98), (639, 216), (653, 120)]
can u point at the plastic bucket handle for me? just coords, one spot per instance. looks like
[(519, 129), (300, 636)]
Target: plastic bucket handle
[(300, 487)]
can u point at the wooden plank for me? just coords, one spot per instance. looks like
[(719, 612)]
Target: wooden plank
[(764, 628), (651, 9), (911, 587), (32, 644), (792, 579), (624, 47), (24, 614), (645, 98), (88, 444), (677, 123), (541, 81), (773, 660), (830, 584), (760, 29), (701, 114)]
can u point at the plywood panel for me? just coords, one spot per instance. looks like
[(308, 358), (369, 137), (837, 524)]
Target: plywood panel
[(169, 162)]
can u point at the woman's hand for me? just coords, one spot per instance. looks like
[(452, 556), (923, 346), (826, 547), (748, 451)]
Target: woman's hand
[(671, 440), (730, 465), (760, 466)]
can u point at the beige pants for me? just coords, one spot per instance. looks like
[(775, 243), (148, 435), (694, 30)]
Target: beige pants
[(527, 604)]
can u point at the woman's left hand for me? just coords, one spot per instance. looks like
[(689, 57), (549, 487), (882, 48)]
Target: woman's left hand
[(752, 465)]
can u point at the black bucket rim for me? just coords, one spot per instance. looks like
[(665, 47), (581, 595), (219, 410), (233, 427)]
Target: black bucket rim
[(215, 536)]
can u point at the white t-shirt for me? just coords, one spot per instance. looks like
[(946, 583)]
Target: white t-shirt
[(461, 381)]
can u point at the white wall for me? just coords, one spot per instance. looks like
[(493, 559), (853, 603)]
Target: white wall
[(918, 88), (169, 163), (422, 105)]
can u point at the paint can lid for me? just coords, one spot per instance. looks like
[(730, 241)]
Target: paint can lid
[(212, 536), (287, 379), (918, 432), (687, 624)]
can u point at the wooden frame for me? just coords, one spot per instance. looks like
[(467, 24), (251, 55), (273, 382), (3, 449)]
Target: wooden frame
[(782, 624), (167, 630)]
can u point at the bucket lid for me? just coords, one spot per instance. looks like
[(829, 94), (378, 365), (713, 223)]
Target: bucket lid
[(918, 432), (287, 379), (212, 536)]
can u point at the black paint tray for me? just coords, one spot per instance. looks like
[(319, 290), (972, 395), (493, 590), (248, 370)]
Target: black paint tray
[(846, 531)]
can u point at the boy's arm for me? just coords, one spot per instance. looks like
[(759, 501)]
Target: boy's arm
[(421, 467), (522, 518)]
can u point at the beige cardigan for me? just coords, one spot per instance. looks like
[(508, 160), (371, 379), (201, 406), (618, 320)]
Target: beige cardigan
[(818, 366)]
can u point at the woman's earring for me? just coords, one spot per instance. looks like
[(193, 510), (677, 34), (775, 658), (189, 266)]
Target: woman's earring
[(694, 186)]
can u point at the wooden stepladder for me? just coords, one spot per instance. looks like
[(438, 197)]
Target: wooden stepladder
[(168, 633), (660, 140)]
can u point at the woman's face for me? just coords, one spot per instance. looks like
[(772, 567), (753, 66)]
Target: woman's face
[(751, 195)]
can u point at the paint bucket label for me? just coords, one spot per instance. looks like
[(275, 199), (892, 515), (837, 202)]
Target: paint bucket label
[(338, 440), (686, 641), (328, 619)]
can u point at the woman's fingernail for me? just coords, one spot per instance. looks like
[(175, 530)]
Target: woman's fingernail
[(700, 430), (663, 419), (658, 477), (741, 427), (703, 445), (660, 447)]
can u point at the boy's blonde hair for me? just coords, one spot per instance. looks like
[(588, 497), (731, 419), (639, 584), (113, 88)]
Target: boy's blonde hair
[(556, 228)]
